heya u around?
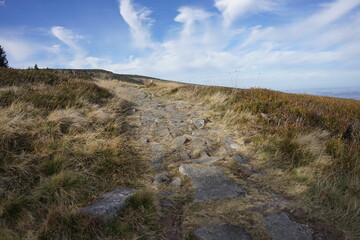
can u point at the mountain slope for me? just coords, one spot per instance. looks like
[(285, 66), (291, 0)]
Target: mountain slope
[(205, 160)]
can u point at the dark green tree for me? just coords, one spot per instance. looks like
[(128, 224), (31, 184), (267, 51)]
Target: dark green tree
[(36, 67), (3, 60)]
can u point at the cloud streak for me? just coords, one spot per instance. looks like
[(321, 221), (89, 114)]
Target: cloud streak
[(139, 22), (231, 10), (213, 47)]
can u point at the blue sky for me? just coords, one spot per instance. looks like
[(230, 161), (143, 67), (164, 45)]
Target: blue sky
[(277, 44)]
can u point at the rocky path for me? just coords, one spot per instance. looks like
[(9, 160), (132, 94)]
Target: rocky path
[(200, 175)]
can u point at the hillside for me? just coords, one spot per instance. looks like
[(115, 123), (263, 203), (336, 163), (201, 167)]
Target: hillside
[(202, 161)]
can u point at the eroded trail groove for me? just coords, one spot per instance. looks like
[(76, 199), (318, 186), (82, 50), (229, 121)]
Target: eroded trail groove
[(202, 179)]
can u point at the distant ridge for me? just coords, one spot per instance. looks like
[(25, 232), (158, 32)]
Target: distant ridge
[(104, 74)]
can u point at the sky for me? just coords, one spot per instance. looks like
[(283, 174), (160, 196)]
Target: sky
[(275, 44)]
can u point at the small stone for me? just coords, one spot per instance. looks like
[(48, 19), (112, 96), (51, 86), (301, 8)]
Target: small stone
[(230, 144), (234, 146), (221, 232), (282, 228), (176, 182), (221, 151), (203, 154), (184, 155), (267, 117), (239, 159), (143, 140), (158, 160), (199, 123), (179, 141), (158, 148), (110, 204), (210, 143), (132, 111)]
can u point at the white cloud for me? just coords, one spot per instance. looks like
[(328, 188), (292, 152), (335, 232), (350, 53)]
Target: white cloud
[(67, 37), (138, 21), (2, 2), (320, 23), (17, 49), (323, 45), (233, 9), (71, 39), (202, 47), (189, 16)]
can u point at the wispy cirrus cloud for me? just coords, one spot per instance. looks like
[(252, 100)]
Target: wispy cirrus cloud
[(301, 49), (78, 55), (233, 9), (139, 21), (212, 47), (2, 2)]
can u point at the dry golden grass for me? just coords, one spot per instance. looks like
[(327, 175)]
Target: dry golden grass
[(63, 141), (302, 147)]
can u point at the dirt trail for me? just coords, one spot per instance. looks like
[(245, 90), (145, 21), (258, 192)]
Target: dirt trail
[(202, 178)]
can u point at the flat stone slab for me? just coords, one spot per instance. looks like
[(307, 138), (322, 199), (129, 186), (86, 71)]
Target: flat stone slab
[(207, 160), (221, 232), (211, 184), (281, 227), (110, 204)]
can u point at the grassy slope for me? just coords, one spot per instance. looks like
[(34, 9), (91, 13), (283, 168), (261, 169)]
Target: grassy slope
[(62, 143), (302, 147)]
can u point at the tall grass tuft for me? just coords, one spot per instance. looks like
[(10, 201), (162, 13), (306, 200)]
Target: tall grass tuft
[(63, 141)]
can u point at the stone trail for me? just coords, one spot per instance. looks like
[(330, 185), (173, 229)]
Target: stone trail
[(177, 126), (177, 132)]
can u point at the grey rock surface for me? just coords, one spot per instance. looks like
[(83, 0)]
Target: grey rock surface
[(201, 132), (281, 227), (207, 160), (185, 156), (176, 182), (229, 143), (204, 154), (199, 123), (110, 204), (239, 159), (179, 141), (158, 160), (158, 148), (221, 232), (211, 184)]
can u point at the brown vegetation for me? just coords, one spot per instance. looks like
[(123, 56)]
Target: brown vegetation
[(313, 141), (63, 141)]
